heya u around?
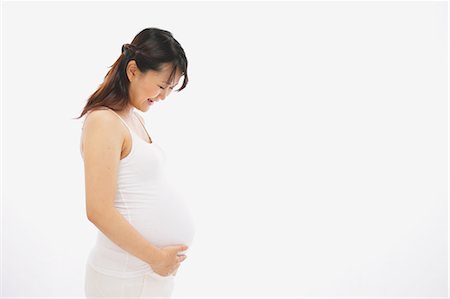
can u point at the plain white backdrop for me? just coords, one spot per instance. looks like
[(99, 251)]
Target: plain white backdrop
[(311, 143)]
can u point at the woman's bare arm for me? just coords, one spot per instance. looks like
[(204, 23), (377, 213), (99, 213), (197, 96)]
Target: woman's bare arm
[(102, 146), (119, 230)]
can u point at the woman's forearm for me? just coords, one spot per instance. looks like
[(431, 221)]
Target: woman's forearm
[(121, 232)]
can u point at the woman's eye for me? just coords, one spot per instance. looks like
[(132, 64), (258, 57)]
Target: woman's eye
[(164, 88)]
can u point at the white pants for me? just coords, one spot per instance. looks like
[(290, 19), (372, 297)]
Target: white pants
[(150, 285)]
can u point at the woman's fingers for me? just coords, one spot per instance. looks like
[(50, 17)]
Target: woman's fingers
[(181, 258), (176, 269)]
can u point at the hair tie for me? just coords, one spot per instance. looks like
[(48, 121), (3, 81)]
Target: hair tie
[(128, 49)]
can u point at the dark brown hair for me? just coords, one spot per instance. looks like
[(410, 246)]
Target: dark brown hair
[(151, 48)]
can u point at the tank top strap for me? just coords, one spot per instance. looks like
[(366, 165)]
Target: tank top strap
[(119, 118)]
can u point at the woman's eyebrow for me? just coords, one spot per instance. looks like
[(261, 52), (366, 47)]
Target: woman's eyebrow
[(167, 82)]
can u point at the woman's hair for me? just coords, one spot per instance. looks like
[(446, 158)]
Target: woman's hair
[(151, 48)]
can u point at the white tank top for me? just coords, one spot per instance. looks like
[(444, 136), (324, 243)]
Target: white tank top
[(151, 205)]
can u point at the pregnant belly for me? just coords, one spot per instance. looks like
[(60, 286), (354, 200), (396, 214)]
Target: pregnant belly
[(169, 223), (162, 217)]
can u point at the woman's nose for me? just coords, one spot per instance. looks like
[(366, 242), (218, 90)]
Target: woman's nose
[(162, 95)]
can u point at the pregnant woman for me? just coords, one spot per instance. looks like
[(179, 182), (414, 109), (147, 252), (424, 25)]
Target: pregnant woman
[(145, 227)]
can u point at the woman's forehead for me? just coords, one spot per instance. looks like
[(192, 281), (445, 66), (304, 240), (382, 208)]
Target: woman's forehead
[(164, 74), (176, 77)]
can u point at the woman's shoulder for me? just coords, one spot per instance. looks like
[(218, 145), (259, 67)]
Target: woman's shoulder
[(100, 116), (104, 121), (101, 131)]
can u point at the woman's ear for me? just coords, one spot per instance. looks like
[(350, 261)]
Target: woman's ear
[(132, 70)]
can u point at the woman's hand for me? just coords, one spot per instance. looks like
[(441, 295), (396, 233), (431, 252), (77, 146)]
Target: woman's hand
[(169, 259)]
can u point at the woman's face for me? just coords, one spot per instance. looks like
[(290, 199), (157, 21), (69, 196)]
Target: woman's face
[(150, 85)]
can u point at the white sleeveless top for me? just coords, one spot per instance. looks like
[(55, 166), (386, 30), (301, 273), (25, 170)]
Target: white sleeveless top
[(151, 205)]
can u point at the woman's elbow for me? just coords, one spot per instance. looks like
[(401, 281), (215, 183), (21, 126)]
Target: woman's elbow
[(94, 215)]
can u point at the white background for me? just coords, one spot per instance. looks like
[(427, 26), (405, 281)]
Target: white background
[(311, 143)]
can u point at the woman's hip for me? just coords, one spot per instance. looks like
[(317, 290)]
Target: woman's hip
[(148, 285)]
